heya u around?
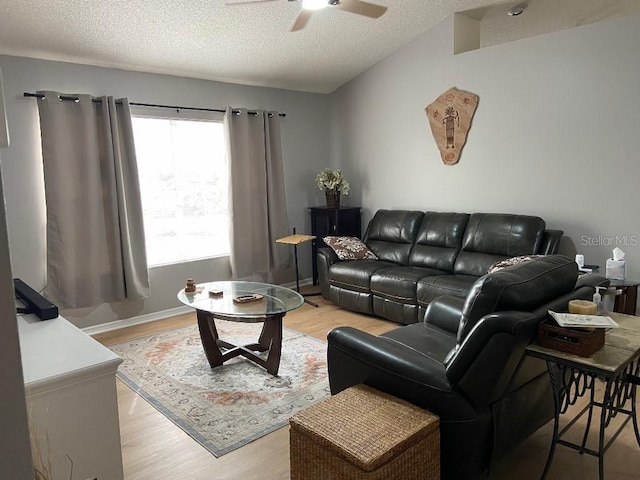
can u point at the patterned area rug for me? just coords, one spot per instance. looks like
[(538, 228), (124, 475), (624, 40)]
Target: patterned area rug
[(229, 406)]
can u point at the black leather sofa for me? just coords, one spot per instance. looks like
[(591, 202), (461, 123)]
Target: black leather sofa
[(422, 256), (466, 361)]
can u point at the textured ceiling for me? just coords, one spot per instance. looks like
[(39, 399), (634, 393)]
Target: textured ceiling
[(251, 44)]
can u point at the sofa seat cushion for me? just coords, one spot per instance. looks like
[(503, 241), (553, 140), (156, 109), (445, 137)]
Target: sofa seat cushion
[(356, 274), (457, 285), (399, 283), (426, 339)]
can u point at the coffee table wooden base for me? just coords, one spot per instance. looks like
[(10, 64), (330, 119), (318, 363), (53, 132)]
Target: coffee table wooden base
[(270, 340)]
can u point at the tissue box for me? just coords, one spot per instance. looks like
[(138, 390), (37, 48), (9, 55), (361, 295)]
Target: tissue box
[(615, 269)]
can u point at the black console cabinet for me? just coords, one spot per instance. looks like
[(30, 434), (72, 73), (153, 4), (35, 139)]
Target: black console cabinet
[(343, 221)]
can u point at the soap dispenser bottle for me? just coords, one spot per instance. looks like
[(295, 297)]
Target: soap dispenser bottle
[(597, 299)]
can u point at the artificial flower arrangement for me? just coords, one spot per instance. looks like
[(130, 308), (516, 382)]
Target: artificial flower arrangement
[(332, 180)]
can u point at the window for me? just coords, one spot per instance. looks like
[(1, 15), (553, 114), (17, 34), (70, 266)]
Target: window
[(183, 183)]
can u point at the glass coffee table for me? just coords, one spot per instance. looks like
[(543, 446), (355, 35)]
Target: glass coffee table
[(219, 301)]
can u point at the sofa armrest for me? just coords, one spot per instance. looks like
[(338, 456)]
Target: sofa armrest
[(392, 357), (550, 242), (445, 312), (591, 280), (325, 258), (486, 360)]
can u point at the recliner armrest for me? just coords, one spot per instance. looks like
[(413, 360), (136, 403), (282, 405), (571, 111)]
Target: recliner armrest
[(445, 312), (489, 355), (355, 357), (393, 358), (328, 255), (550, 242), (591, 280), (325, 258)]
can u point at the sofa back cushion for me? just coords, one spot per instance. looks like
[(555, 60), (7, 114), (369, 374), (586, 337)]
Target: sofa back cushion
[(439, 240), (524, 287), (392, 233), (491, 237)]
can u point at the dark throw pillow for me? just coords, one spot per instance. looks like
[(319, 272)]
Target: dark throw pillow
[(350, 248)]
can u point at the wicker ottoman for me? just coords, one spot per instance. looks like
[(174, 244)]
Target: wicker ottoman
[(362, 433)]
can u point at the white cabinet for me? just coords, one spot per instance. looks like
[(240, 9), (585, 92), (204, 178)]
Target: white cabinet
[(71, 398)]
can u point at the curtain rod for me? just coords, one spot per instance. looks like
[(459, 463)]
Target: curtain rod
[(99, 100)]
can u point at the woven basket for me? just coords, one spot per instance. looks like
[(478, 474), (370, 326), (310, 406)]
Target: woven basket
[(363, 434), (576, 341)]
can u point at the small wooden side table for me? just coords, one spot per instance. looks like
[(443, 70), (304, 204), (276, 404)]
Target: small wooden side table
[(295, 240), (626, 295), (617, 364)]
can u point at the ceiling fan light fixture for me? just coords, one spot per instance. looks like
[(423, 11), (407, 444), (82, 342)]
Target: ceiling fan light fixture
[(314, 4)]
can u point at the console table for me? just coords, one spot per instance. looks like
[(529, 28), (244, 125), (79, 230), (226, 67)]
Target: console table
[(70, 385), (343, 221), (617, 365)]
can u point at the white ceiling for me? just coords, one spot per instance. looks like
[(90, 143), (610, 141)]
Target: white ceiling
[(251, 44)]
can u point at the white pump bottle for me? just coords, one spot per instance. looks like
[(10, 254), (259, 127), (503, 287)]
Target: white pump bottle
[(597, 299)]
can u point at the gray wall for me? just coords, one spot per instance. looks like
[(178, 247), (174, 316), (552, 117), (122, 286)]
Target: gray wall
[(556, 133), (305, 141)]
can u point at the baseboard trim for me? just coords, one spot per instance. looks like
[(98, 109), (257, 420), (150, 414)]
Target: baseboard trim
[(138, 320), (303, 282)]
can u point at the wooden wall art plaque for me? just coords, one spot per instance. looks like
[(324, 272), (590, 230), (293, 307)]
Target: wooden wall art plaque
[(450, 118)]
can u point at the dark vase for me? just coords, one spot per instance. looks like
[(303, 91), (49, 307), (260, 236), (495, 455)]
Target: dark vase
[(333, 198)]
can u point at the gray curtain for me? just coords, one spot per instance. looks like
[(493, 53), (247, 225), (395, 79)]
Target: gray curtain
[(257, 207), (95, 234)]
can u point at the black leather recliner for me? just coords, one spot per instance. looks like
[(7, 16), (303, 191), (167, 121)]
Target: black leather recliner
[(466, 362)]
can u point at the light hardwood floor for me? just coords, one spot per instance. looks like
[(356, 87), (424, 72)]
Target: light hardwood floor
[(154, 448)]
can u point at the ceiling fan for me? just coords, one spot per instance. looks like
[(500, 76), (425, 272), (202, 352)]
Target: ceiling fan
[(359, 7)]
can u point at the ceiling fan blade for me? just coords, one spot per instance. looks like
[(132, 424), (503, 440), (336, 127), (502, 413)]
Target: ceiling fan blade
[(362, 8), (301, 20)]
